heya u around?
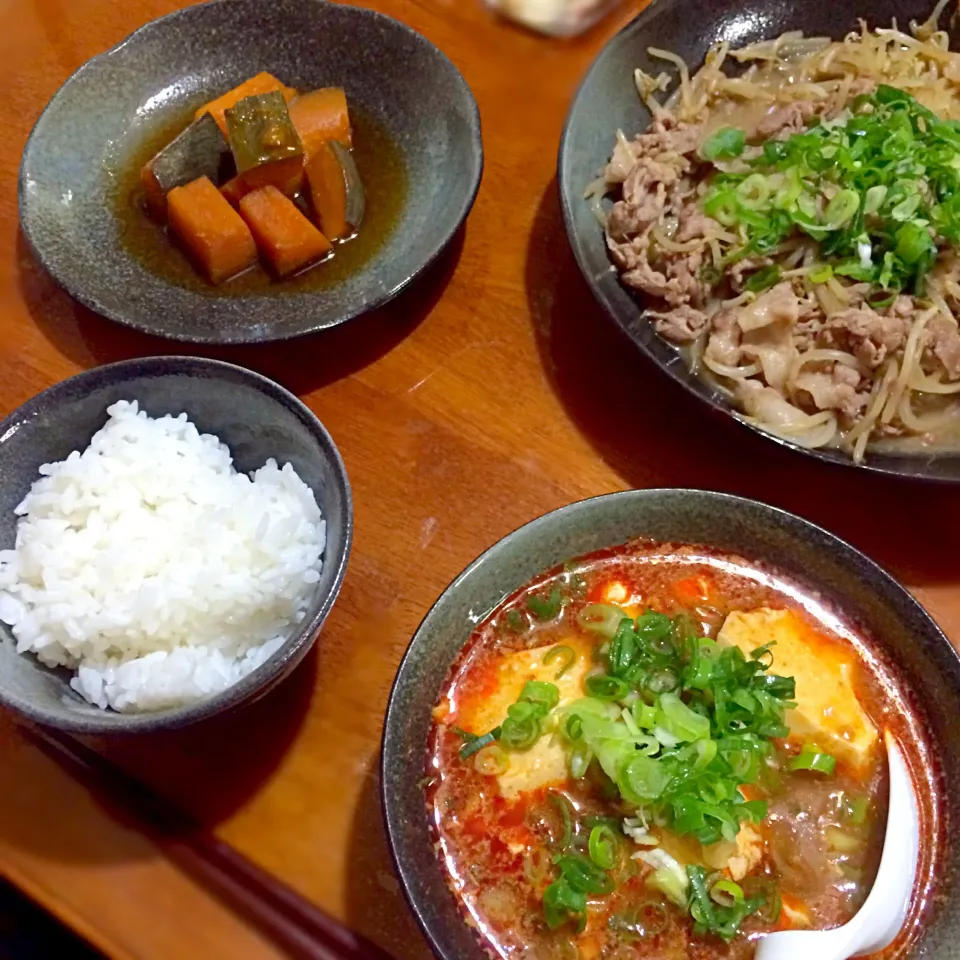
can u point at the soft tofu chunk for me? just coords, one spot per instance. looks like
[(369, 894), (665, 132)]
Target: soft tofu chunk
[(546, 761), (828, 711)]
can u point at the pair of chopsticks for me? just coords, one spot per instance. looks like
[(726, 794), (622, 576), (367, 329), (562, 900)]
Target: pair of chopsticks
[(298, 928)]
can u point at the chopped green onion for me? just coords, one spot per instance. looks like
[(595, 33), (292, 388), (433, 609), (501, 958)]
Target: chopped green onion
[(643, 779), (873, 199), (811, 758), (763, 279), (516, 621), (562, 903), (580, 760), (601, 618), (603, 847), (726, 892), (491, 760), (541, 694), (754, 192), (573, 727), (472, 743), (841, 208), (546, 608), (605, 687), (727, 143), (821, 273), (905, 209), (563, 656)]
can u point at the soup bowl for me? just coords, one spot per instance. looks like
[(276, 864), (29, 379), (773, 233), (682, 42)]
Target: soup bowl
[(894, 626)]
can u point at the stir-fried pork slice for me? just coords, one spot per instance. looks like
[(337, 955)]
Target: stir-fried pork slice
[(723, 344), (646, 192), (767, 326), (784, 121), (681, 325), (778, 305), (769, 405), (837, 389), (871, 337), (943, 340), (673, 277), (663, 138), (694, 223)]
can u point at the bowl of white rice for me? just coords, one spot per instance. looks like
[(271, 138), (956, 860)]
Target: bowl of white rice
[(173, 533)]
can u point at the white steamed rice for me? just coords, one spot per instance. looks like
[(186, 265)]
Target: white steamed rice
[(153, 569)]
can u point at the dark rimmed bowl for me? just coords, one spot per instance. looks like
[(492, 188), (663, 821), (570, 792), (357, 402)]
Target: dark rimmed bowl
[(257, 419), (607, 101), (116, 101), (839, 575)]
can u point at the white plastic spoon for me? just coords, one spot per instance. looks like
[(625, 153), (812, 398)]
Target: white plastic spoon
[(881, 917)]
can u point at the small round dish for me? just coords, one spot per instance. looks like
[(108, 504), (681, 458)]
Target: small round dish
[(607, 101), (820, 565), (257, 419), (90, 133)]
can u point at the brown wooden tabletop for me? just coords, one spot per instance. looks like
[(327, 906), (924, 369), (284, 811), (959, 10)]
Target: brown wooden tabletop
[(493, 391)]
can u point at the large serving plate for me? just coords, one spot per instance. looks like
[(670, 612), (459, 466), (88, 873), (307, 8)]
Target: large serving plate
[(607, 101)]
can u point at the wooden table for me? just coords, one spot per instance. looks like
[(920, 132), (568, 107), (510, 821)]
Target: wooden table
[(492, 392)]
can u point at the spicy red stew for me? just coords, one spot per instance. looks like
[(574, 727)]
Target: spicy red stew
[(660, 752)]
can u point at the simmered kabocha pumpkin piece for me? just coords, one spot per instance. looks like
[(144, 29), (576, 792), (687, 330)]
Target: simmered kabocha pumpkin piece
[(286, 238), (200, 151), (321, 115), (261, 83), (212, 232), (265, 145), (336, 190)]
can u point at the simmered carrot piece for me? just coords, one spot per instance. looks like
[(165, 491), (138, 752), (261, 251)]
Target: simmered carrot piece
[(284, 235), (261, 83), (321, 115), (328, 190), (211, 230)]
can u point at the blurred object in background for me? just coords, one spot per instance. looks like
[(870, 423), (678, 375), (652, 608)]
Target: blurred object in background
[(559, 18)]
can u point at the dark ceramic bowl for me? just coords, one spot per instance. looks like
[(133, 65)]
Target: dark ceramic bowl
[(83, 143), (842, 578), (607, 101), (257, 419)]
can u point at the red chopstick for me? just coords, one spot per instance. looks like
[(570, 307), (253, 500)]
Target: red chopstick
[(300, 929)]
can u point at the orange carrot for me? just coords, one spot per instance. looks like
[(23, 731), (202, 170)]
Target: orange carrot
[(211, 230), (328, 190), (261, 83), (284, 235), (321, 115)]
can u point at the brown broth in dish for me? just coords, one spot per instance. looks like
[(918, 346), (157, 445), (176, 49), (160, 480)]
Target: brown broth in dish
[(379, 161), (819, 842)]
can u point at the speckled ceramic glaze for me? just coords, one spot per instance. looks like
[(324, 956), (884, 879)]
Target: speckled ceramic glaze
[(814, 559), (608, 101), (257, 419), (111, 104)]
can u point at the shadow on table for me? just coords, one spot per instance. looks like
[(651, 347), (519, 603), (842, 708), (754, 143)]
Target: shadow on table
[(204, 772), (652, 433), (302, 365), (375, 905)]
